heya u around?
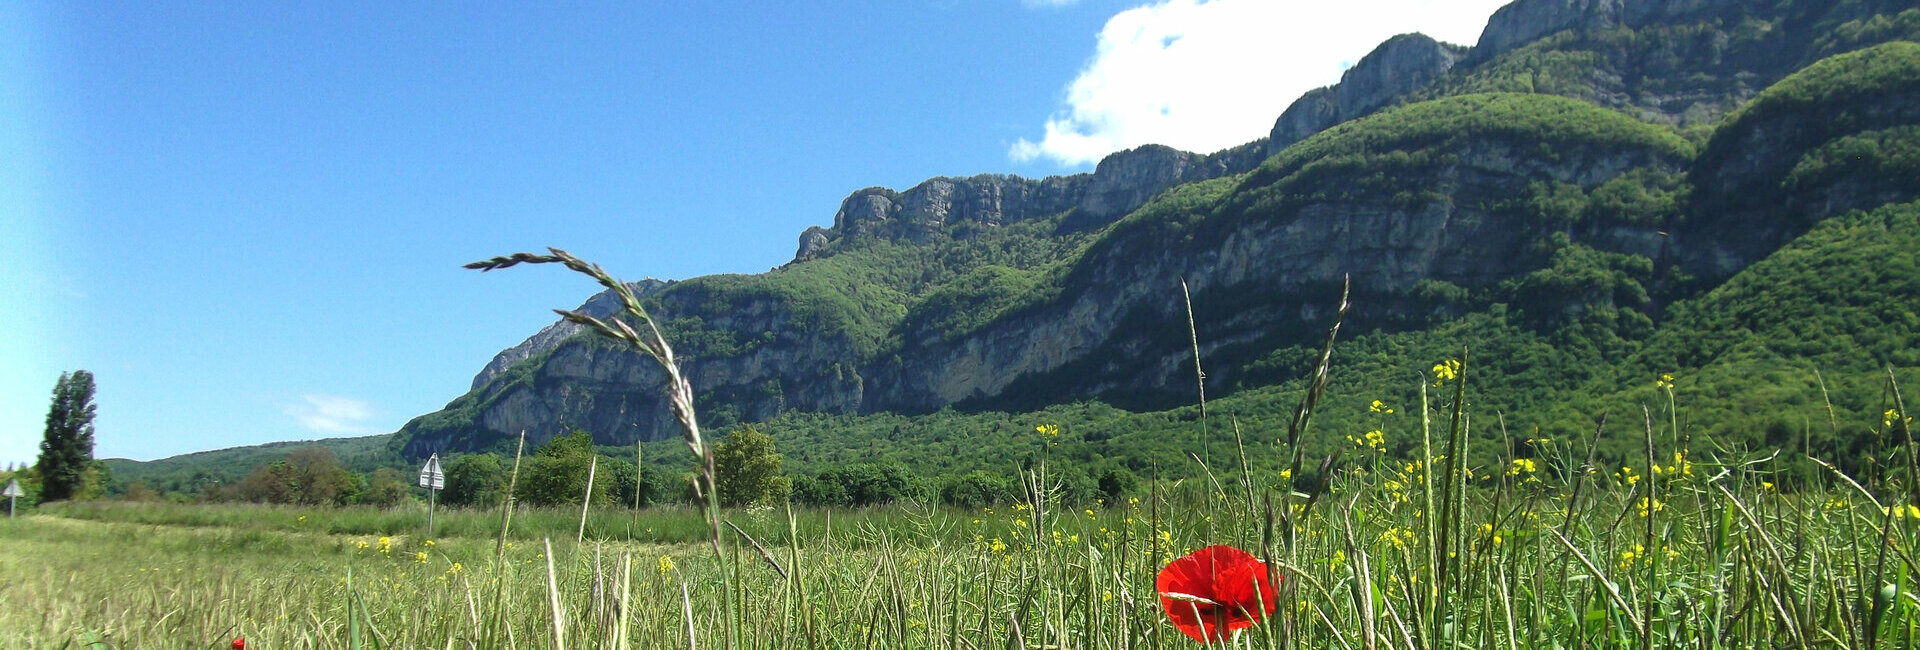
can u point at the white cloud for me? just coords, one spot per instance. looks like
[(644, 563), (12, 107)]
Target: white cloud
[(331, 414), (1206, 75)]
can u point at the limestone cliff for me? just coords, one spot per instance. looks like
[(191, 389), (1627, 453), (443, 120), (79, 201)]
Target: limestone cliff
[(1401, 65), (1545, 171)]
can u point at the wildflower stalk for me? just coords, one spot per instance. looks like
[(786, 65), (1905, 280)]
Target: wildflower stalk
[(647, 340), (650, 342), (1900, 422), (1424, 604), (1453, 498), (500, 545), (593, 465), (1653, 552), (1199, 376), (1303, 414), (553, 598)]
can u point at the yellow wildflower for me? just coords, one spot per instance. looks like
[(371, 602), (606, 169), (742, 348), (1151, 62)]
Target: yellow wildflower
[(1521, 466), (1398, 537), (1626, 476), (1627, 557)]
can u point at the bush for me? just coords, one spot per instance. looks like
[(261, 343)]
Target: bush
[(823, 490), (474, 480), (980, 489), (386, 488), (859, 484), (557, 474), (1117, 483), (746, 469)]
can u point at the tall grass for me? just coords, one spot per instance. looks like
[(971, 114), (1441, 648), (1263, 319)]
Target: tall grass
[(1733, 563)]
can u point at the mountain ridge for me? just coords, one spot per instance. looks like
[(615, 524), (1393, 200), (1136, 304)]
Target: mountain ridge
[(956, 291)]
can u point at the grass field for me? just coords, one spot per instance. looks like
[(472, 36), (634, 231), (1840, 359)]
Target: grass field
[(1696, 548)]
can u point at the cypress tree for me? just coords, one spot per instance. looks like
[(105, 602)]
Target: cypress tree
[(68, 448)]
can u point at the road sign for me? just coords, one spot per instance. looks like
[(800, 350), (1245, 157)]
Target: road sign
[(12, 492), (434, 481), (431, 476)]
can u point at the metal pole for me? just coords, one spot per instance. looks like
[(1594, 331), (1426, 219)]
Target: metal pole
[(9, 507), (430, 494)]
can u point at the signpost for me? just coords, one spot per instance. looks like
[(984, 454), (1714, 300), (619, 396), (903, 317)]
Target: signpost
[(433, 480), (12, 492)]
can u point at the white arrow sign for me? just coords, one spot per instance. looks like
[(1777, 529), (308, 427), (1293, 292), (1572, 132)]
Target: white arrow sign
[(430, 476), (13, 489)]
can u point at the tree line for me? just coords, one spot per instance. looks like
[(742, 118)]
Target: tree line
[(569, 468)]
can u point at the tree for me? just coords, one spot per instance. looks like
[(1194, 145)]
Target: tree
[(644, 485), (746, 469), (307, 476), (981, 489), (269, 483), (557, 474), (67, 450), (318, 477), (474, 480), (386, 488)]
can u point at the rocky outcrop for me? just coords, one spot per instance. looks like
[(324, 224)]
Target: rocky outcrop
[(812, 241), (946, 207), (1525, 21), (1399, 66), (926, 212), (587, 383), (601, 305), (1681, 62), (1125, 180)]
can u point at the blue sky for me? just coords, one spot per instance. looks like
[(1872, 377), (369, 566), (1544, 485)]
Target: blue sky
[(247, 219)]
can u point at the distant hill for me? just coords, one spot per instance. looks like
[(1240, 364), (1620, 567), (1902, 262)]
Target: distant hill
[(191, 472)]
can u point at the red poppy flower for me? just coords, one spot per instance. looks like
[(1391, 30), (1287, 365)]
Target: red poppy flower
[(240, 644), (1214, 591)]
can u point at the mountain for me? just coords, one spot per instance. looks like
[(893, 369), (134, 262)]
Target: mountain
[(1582, 198)]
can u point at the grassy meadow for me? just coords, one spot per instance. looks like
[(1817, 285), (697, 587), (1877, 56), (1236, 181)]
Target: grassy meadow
[(1696, 546)]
